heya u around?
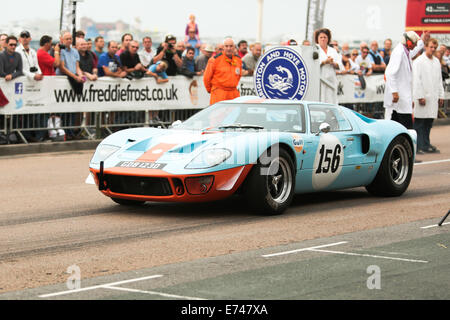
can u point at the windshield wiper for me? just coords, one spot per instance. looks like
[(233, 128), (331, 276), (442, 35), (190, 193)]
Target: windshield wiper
[(241, 126)]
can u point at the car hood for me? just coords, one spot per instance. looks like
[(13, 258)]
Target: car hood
[(176, 148)]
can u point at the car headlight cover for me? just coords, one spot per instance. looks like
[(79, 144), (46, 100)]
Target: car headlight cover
[(103, 152), (209, 158)]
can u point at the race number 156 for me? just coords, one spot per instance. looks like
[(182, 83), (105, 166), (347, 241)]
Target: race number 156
[(329, 159)]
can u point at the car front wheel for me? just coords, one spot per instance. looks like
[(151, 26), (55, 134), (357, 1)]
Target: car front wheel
[(270, 188)]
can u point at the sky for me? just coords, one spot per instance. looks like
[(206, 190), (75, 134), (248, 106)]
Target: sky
[(347, 19)]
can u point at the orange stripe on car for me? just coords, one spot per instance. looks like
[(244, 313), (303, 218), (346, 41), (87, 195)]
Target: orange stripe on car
[(156, 152)]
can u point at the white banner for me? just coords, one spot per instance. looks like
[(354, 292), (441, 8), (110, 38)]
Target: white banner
[(54, 94), (351, 91)]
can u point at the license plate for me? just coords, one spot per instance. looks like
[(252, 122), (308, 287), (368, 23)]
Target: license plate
[(140, 165)]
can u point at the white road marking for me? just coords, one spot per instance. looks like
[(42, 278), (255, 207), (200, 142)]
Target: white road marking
[(304, 249), (368, 255), (99, 286), (434, 225), (318, 249), (167, 295), (431, 162)]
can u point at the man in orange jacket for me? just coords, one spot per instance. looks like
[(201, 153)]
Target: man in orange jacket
[(223, 73)]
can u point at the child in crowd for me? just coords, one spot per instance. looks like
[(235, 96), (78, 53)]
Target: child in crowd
[(191, 25)]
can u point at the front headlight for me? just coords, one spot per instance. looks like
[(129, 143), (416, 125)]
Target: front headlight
[(209, 158), (103, 152)]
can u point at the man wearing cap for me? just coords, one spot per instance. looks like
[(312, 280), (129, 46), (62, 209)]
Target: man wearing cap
[(398, 98), (168, 52), (30, 62), (202, 60), (223, 73)]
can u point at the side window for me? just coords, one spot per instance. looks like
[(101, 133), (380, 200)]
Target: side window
[(329, 114)]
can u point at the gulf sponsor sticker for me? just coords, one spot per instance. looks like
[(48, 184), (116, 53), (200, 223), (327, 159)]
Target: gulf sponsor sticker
[(297, 142)]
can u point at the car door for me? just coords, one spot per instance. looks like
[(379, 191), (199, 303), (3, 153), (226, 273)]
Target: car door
[(331, 159)]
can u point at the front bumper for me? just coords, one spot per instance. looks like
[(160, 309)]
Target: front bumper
[(158, 185)]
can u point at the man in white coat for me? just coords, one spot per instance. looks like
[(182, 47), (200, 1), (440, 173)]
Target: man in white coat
[(398, 100), (428, 93)]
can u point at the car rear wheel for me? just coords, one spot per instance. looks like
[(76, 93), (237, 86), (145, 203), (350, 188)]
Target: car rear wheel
[(394, 174), (125, 202), (270, 188)]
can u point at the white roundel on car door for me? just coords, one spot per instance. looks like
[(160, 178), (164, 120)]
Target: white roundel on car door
[(328, 161)]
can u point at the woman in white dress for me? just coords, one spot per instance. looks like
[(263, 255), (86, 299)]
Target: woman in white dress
[(329, 63)]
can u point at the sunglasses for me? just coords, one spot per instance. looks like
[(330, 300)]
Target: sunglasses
[(13, 45)]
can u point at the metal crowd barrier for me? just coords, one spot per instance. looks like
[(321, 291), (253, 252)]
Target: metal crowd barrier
[(3, 125), (88, 125)]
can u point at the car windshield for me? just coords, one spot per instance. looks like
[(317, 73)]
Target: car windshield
[(231, 116)]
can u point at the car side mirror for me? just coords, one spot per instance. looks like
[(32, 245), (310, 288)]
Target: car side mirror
[(324, 128), (176, 123)]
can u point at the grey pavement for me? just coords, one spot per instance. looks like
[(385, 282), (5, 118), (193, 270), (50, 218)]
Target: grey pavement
[(413, 263)]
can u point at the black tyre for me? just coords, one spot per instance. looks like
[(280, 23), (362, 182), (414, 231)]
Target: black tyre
[(269, 188), (394, 174), (125, 202)]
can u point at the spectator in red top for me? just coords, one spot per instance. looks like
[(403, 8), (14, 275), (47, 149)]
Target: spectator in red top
[(243, 48), (126, 39), (46, 62)]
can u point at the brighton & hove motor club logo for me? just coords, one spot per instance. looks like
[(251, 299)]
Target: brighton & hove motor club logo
[(281, 74)]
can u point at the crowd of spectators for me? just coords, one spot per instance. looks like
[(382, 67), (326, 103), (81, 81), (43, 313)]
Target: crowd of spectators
[(82, 59), (87, 60)]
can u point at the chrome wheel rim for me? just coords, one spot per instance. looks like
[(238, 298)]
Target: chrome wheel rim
[(279, 184), (398, 164)]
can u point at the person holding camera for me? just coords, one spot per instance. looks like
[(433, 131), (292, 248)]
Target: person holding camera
[(167, 51), (30, 62), (47, 63)]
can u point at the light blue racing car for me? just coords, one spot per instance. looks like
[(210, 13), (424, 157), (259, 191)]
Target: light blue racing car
[(266, 150)]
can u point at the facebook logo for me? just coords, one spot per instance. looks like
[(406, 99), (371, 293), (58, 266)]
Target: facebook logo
[(19, 87)]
